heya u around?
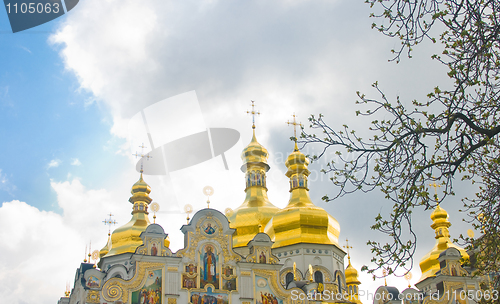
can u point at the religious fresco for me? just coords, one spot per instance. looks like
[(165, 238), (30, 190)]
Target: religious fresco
[(188, 282), (263, 293), (93, 282), (209, 297), (208, 266), (191, 268), (229, 284), (154, 249), (262, 257), (208, 227), (150, 292)]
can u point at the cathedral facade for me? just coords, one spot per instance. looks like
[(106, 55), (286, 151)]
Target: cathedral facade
[(257, 253)]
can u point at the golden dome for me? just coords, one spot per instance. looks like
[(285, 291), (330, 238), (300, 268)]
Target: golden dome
[(252, 216), (254, 153), (351, 275), (105, 249), (301, 221), (127, 237), (429, 264)]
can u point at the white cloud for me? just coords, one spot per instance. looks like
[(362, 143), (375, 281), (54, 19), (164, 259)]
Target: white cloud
[(76, 162), (41, 249), (54, 163)]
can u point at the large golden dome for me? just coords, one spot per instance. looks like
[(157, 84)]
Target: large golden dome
[(301, 221), (252, 216), (127, 237), (429, 264)]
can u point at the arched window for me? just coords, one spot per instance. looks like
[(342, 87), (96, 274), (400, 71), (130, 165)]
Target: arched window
[(288, 279), (339, 282), (294, 182), (258, 178), (318, 276), (253, 178)]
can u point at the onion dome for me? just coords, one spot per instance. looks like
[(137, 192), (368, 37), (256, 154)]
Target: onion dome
[(351, 275), (256, 210), (127, 237), (429, 264), (301, 221), (352, 282)]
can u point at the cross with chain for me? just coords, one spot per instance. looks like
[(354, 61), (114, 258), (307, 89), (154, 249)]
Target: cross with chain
[(253, 113), (295, 124), (109, 222), (142, 155)]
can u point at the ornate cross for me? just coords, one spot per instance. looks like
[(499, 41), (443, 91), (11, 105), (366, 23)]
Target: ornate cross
[(253, 113), (142, 155), (435, 185), (295, 124), (109, 222), (347, 247)]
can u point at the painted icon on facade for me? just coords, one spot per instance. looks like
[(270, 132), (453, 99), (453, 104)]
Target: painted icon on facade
[(209, 297), (208, 270), (263, 293), (150, 292)]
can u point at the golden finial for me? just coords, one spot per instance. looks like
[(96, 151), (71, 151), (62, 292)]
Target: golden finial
[(253, 114), (188, 209), (67, 292), (384, 272), (142, 155), (310, 273), (347, 247), (85, 256), (90, 250), (294, 271), (208, 191), (155, 207), (109, 222), (260, 218), (95, 257), (295, 124), (470, 233), (435, 185), (408, 277)]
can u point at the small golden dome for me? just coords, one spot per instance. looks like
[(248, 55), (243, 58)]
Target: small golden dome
[(351, 275), (429, 263), (256, 210), (301, 221), (254, 153), (439, 213), (127, 237)]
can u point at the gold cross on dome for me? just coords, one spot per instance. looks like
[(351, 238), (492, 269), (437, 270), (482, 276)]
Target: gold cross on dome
[(109, 222), (295, 124), (347, 247), (253, 113), (435, 185), (142, 155)]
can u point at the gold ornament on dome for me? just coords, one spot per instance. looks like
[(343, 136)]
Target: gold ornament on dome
[(208, 191), (470, 233), (188, 209), (229, 212), (408, 277), (155, 207), (95, 256)]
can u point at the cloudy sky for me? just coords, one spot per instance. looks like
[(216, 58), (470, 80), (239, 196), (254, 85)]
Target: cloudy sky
[(70, 88)]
